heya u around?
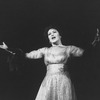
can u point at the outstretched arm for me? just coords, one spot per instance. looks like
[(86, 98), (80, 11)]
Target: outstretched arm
[(5, 47), (91, 46), (75, 51), (35, 54)]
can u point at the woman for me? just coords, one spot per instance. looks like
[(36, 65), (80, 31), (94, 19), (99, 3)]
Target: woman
[(56, 84)]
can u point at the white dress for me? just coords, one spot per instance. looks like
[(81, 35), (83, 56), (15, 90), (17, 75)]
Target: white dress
[(56, 84)]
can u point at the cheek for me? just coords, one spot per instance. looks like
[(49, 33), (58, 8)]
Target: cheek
[(57, 36), (49, 38)]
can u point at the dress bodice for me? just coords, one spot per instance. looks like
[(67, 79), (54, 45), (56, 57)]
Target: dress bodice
[(55, 57)]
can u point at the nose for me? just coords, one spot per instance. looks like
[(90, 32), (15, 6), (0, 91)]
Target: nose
[(52, 34)]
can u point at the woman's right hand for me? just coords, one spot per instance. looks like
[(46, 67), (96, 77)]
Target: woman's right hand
[(4, 46)]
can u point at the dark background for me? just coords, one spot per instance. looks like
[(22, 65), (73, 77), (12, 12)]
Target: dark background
[(22, 24)]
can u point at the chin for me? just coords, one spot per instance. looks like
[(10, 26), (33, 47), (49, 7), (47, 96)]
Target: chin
[(54, 41)]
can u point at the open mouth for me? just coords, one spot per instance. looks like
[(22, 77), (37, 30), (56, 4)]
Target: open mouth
[(53, 37)]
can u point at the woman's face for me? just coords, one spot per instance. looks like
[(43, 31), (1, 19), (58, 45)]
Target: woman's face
[(53, 35)]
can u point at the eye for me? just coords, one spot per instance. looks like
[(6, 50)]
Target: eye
[(54, 31)]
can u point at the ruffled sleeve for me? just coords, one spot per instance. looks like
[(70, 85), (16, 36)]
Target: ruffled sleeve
[(35, 54), (75, 51)]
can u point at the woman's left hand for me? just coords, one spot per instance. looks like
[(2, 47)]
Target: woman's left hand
[(97, 38)]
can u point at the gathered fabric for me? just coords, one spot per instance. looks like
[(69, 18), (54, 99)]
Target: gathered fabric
[(56, 85)]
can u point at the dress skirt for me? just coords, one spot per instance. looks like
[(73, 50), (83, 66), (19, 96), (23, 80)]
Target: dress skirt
[(55, 86)]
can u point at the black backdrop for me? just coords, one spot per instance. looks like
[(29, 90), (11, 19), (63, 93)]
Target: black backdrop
[(22, 23)]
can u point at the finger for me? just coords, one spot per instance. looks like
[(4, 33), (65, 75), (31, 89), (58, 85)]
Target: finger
[(3, 43), (97, 30)]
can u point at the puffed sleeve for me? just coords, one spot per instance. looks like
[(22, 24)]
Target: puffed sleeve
[(35, 54), (75, 51)]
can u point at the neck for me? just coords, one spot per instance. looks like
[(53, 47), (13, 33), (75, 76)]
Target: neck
[(58, 43)]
